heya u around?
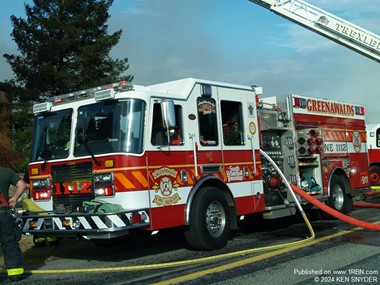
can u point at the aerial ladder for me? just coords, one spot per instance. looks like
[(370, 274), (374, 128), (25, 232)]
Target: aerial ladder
[(342, 32), (326, 24)]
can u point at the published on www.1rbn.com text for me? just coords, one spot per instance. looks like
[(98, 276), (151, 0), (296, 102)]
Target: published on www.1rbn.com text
[(354, 275)]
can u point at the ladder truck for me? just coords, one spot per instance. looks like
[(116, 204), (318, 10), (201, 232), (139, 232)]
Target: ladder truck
[(326, 24), (344, 33)]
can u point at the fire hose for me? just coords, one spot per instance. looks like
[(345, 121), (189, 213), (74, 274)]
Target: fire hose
[(334, 213), (319, 204), (366, 205)]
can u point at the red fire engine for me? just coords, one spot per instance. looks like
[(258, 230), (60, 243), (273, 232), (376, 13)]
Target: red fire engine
[(373, 141), (119, 158)]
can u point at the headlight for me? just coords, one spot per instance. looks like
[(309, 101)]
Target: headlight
[(103, 184), (41, 183), (104, 177)]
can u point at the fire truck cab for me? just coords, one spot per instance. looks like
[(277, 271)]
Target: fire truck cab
[(118, 158)]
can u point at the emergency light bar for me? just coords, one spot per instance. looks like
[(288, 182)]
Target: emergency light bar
[(42, 107), (299, 102), (100, 93), (359, 110), (87, 92), (104, 94), (206, 90)]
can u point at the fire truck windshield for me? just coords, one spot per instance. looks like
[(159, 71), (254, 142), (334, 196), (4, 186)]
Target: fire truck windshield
[(110, 126), (51, 135), (104, 127)]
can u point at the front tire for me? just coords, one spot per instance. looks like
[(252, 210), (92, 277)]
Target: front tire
[(210, 220)]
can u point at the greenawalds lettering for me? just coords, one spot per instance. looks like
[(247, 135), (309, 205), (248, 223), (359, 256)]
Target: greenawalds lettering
[(332, 108)]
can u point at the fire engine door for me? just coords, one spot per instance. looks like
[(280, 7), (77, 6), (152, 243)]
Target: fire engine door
[(209, 154)]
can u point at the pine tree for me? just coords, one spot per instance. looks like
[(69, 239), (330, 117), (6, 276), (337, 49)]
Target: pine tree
[(63, 46)]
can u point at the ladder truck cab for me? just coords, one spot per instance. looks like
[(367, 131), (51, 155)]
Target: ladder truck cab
[(115, 159), (373, 141)]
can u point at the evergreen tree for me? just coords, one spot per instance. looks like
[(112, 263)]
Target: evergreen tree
[(63, 46)]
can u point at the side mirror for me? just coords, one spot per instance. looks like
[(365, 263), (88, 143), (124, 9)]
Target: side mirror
[(46, 154), (168, 115)]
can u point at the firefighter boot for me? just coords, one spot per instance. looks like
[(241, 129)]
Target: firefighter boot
[(39, 241), (15, 274)]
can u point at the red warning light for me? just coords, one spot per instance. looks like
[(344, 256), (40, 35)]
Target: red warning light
[(310, 141), (310, 150)]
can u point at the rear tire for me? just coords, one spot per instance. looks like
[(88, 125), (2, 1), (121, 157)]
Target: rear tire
[(374, 175), (339, 199), (210, 220)]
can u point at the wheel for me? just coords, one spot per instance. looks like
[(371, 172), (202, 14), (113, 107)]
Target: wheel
[(374, 175), (210, 221), (339, 200)]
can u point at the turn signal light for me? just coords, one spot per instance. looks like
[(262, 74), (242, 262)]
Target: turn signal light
[(32, 225), (105, 191), (66, 223), (41, 195), (136, 218)]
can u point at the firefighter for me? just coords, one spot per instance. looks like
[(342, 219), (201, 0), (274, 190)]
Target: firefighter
[(9, 231)]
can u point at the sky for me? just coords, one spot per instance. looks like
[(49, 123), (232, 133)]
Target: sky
[(234, 41)]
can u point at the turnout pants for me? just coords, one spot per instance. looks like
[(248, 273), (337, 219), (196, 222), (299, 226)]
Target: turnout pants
[(9, 244)]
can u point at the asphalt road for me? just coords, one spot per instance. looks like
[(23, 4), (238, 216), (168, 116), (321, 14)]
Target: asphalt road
[(339, 254)]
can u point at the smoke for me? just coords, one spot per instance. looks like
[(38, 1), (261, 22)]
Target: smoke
[(167, 40)]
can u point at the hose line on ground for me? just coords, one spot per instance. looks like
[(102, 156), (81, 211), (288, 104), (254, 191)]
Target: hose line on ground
[(366, 205), (335, 213)]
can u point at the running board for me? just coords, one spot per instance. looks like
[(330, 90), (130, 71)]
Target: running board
[(275, 212)]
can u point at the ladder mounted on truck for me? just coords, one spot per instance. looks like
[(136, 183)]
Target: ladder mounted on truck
[(326, 24)]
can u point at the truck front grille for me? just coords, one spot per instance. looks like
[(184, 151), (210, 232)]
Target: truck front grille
[(67, 182)]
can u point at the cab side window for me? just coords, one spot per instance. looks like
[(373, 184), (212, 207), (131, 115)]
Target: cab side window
[(159, 134), (207, 120), (232, 119)]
